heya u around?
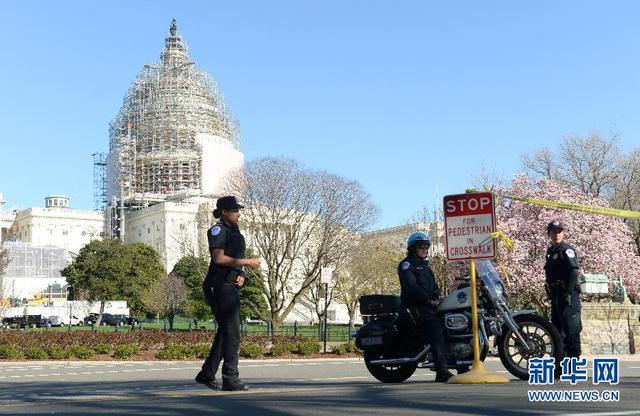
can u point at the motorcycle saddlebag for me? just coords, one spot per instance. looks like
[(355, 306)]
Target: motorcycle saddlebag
[(379, 304), (376, 334)]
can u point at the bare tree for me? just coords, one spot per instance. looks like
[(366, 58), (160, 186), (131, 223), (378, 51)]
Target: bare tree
[(372, 269), (541, 164), (298, 220), (167, 297), (627, 190), (590, 164)]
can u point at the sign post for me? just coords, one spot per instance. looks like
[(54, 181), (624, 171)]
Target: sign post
[(469, 222), (326, 275)]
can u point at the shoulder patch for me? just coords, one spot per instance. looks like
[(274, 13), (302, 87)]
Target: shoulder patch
[(405, 265), (570, 253), (216, 230)]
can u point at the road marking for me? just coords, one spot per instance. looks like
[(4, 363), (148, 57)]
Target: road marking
[(630, 412)]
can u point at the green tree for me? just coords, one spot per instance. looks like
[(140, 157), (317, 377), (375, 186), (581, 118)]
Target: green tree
[(193, 270), (110, 270), (253, 303)]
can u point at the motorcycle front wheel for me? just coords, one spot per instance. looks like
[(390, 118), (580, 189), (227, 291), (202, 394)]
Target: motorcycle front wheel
[(396, 373), (542, 337)]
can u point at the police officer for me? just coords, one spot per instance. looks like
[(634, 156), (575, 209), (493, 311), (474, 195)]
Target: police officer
[(221, 288), (420, 294), (561, 270)]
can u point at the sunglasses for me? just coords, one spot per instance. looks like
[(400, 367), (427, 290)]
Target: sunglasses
[(423, 247)]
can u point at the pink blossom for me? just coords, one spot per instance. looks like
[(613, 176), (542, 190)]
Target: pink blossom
[(603, 244)]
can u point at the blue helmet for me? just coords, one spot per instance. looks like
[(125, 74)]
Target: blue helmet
[(416, 238)]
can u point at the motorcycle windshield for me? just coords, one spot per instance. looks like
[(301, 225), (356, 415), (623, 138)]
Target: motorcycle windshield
[(488, 273)]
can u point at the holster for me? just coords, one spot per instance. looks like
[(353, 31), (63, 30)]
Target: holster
[(233, 274)]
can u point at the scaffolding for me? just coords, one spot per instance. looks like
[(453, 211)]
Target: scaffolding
[(153, 152), (100, 181)]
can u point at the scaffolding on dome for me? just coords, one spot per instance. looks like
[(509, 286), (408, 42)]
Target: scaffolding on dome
[(153, 151)]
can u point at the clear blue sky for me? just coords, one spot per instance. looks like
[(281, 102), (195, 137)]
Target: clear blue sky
[(404, 97)]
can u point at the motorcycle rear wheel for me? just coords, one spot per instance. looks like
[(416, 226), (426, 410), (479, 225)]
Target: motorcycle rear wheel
[(396, 373), (537, 331)]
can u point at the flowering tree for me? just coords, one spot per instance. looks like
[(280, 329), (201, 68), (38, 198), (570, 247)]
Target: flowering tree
[(604, 244)]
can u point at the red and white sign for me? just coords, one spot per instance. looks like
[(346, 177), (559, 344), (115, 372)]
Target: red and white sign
[(469, 220)]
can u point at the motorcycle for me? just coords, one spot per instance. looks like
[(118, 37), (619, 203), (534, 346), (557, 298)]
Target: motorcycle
[(394, 345)]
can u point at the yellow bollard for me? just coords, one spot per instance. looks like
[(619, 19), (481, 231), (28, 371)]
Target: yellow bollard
[(478, 374)]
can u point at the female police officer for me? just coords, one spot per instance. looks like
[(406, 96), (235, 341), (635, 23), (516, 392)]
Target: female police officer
[(224, 278), (561, 270), (420, 294)]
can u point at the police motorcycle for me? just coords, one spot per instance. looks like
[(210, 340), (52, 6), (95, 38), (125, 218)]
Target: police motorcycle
[(394, 346)]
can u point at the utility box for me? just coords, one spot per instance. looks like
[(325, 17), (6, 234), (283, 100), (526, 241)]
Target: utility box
[(594, 284)]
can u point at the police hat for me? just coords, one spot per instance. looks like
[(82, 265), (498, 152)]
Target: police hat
[(228, 202), (555, 225)]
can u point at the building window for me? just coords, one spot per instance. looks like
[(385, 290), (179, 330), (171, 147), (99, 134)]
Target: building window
[(331, 315), (148, 230), (65, 232)]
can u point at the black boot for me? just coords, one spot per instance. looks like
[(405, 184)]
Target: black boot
[(234, 385), (443, 376), (211, 383)]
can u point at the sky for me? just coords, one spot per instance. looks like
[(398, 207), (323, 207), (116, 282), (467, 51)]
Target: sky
[(413, 99)]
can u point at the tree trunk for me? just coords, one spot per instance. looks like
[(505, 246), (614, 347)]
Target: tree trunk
[(99, 320)]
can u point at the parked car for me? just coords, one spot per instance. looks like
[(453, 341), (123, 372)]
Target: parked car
[(91, 319), (110, 319), (131, 320), (56, 320), (75, 321)]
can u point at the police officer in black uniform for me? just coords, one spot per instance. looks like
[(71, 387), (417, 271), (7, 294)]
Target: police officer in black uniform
[(563, 289), (221, 288), (420, 294)]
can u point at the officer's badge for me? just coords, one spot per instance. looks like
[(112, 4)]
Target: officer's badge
[(555, 256), (570, 253), (216, 230), (405, 265), (462, 297)]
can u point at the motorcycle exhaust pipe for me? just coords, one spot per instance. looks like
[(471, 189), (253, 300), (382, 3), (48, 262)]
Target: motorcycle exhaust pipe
[(459, 363), (404, 360)]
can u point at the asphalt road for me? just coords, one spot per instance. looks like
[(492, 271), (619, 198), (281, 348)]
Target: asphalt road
[(280, 387)]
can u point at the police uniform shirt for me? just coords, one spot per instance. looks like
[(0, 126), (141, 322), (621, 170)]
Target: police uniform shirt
[(560, 262), (228, 238), (417, 282)]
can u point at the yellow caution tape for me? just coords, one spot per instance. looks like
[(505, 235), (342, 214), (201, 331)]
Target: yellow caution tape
[(508, 244), (611, 212)]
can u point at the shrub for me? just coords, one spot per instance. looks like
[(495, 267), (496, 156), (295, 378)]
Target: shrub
[(174, 352), (103, 348), (10, 352), (351, 347), (307, 348), (282, 348), (125, 351), (200, 351), (57, 352), (339, 349), (35, 353), (80, 352), (250, 350)]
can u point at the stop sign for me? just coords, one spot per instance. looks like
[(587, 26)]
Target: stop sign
[(469, 221)]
